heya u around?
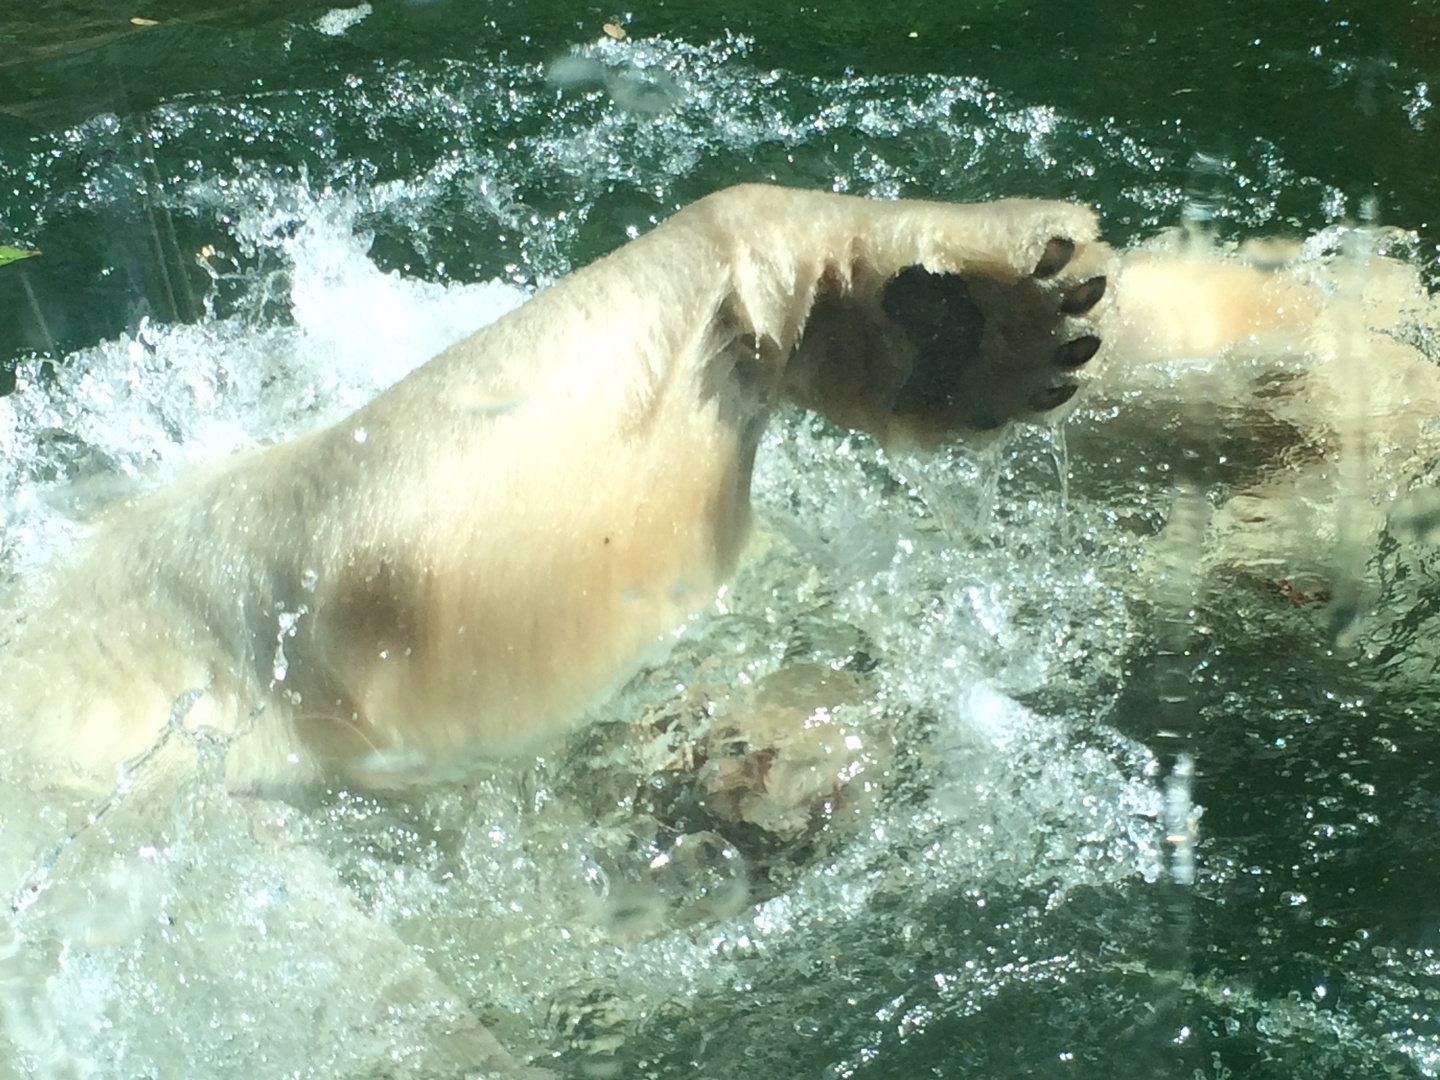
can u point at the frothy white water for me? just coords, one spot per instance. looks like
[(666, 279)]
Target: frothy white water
[(129, 414)]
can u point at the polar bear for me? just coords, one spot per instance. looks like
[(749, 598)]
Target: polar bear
[(460, 566), (463, 564)]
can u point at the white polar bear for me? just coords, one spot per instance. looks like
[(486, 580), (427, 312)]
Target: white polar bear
[(462, 565)]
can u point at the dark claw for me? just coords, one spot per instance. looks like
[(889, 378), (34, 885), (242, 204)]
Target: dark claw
[(1083, 297), (1074, 353), (1058, 252), (1052, 397)]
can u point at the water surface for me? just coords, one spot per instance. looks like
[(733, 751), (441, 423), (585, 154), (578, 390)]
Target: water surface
[(255, 216)]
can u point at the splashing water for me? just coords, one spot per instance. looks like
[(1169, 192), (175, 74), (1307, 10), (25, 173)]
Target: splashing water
[(989, 849)]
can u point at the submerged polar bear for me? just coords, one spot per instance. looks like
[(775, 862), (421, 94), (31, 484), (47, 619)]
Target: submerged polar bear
[(462, 565)]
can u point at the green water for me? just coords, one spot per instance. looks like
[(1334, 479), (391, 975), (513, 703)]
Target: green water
[(1307, 946), (1212, 91)]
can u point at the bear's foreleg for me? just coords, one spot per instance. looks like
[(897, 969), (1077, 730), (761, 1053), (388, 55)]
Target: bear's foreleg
[(466, 563)]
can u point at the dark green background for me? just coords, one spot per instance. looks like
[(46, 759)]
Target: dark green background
[(1323, 83)]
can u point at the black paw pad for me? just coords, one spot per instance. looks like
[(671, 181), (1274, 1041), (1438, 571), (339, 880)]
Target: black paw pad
[(944, 326), (1080, 351), (1058, 252), (977, 351), (1052, 397), (1083, 297)]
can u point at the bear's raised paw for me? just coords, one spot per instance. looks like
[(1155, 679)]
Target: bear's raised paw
[(983, 350), (928, 356)]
